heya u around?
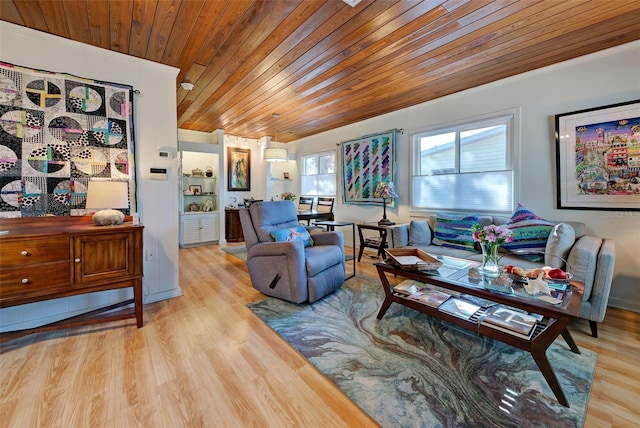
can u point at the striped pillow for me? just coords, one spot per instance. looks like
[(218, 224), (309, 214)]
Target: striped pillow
[(454, 231), (530, 234)]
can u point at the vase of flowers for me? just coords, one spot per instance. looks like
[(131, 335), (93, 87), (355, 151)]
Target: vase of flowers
[(490, 238), (288, 196)]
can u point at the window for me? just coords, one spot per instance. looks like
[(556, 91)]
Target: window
[(465, 167), (319, 174)]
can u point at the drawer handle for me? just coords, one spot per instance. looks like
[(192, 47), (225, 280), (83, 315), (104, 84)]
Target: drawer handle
[(24, 253), (77, 260), (25, 280)]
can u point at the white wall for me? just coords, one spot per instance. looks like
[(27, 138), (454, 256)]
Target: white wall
[(155, 128), (607, 77)]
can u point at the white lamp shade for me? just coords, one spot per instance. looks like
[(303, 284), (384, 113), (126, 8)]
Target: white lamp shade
[(106, 195), (276, 154)]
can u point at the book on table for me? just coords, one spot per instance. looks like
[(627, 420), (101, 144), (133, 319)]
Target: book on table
[(408, 287), (459, 308), (510, 321), (430, 297)]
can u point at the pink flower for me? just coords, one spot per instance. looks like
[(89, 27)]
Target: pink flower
[(492, 234)]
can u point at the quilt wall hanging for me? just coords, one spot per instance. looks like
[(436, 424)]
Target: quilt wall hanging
[(367, 161), (57, 132)]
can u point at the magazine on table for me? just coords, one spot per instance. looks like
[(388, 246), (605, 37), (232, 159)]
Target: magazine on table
[(460, 308), (430, 297), (515, 322), (408, 287), (478, 300)]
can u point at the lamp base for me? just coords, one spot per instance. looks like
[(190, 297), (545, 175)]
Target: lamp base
[(108, 217), (385, 222)]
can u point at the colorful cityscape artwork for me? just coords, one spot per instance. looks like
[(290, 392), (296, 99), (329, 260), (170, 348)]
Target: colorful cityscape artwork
[(602, 163), (57, 131)]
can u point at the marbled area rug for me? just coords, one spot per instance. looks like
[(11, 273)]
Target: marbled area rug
[(411, 370), (240, 251)]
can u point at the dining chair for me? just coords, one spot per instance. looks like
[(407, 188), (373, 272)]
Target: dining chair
[(325, 205), (305, 204)]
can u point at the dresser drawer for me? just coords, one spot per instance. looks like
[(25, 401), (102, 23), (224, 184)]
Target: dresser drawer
[(19, 280), (34, 251)]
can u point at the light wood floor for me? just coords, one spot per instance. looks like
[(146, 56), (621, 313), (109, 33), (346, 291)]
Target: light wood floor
[(204, 359)]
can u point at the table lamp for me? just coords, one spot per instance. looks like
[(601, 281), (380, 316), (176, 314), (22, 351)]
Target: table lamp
[(107, 195), (385, 191)]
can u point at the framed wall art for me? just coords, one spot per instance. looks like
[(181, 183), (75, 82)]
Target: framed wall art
[(598, 158), (57, 132), (238, 169), (367, 161)]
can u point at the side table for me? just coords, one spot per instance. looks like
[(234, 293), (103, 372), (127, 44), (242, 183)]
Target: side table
[(331, 225), (378, 243)]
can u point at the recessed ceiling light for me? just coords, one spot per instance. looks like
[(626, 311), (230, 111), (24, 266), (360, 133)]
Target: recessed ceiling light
[(187, 86), (352, 3)]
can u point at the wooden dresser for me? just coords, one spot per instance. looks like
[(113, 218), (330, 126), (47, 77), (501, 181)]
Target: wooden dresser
[(45, 258)]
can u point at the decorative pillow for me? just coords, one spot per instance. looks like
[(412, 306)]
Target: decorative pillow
[(559, 243), (454, 231), (296, 233), (530, 233), (419, 233)]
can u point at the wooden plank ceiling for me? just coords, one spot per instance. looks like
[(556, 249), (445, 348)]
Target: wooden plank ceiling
[(324, 64)]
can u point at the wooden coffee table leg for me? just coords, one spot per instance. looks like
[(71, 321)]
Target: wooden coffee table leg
[(388, 295), (385, 305), (569, 339), (540, 357)]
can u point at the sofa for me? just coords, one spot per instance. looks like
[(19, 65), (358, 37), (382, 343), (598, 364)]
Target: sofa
[(590, 259)]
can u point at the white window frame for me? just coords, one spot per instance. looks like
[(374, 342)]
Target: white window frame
[(511, 118), (308, 191)]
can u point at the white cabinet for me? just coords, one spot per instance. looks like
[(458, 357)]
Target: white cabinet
[(199, 229)]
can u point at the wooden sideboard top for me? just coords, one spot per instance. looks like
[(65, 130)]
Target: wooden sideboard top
[(34, 226)]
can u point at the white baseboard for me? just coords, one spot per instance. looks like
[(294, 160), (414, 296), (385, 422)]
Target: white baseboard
[(165, 295)]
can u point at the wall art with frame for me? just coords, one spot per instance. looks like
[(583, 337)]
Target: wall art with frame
[(366, 161), (598, 158), (238, 169), (57, 132)]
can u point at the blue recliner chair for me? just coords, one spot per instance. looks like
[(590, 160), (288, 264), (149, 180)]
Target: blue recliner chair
[(288, 270)]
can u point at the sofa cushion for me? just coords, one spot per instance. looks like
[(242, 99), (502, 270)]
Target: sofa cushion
[(559, 243), (296, 233), (530, 234), (455, 231), (419, 233)]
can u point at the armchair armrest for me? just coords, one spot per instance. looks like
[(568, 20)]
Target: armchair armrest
[(268, 249), (328, 238), (602, 281)]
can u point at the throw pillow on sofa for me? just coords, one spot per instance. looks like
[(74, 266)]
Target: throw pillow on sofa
[(454, 231), (530, 234), (296, 233), (419, 233), (559, 244)]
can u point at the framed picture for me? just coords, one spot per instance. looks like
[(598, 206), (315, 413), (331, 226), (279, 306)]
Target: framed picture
[(238, 169), (366, 161), (598, 158), (195, 188)]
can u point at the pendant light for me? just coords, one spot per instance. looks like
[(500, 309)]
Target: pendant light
[(276, 154)]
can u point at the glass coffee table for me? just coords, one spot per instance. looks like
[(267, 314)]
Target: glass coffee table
[(459, 276)]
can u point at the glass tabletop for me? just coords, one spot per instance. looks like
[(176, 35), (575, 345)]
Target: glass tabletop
[(464, 273)]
